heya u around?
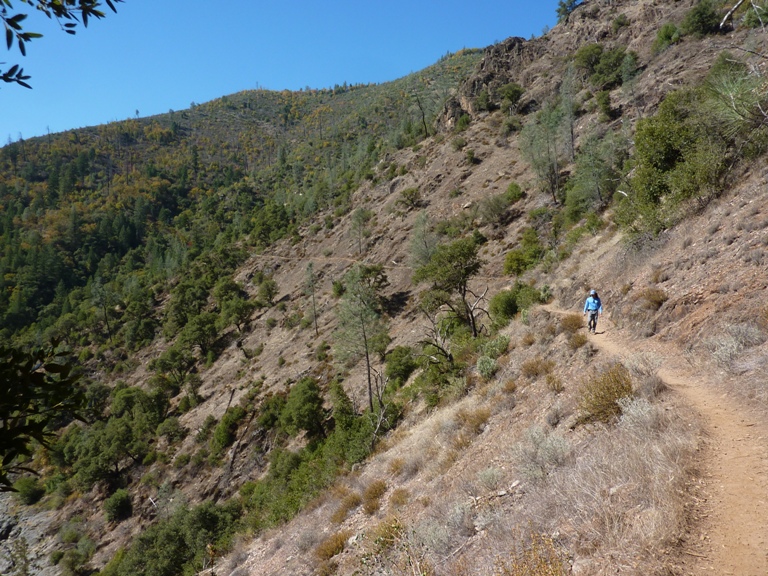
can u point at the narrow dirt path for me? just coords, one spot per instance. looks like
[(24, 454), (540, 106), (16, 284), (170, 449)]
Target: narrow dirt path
[(728, 534)]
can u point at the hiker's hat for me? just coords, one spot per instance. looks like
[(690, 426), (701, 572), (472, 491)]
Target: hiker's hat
[(592, 292)]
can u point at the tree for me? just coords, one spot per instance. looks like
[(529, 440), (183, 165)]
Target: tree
[(359, 226), (564, 9), (68, 13), (310, 285), (449, 270), (542, 147), (37, 388), (361, 331)]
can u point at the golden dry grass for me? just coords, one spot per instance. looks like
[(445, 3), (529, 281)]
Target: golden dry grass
[(600, 394)]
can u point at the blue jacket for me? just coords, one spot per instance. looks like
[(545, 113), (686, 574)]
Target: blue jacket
[(593, 303)]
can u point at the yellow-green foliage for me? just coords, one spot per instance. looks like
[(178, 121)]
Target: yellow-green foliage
[(540, 558), (332, 545), (600, 394), (386, 534)]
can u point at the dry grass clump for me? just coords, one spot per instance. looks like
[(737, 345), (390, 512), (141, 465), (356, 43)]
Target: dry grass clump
[(399, 498), (540, 557), (347, 504), (535, 367), (528, 339), (332, 545), (625, 490), (539, 453), (577, 340), (386, 534), (652, 297), (473, 419), (600, 394), (555, 384), (571, 323), (372, 496), (736, 338)]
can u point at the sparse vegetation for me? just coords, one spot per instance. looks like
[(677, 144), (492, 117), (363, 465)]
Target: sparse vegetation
[(600, 394)]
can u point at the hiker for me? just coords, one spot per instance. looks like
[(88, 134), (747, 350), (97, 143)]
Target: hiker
[(594, 307)]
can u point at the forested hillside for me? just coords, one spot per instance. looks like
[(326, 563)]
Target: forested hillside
[(339, 331)]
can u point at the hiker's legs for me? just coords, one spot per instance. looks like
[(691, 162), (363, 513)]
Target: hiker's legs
[(592, 324)]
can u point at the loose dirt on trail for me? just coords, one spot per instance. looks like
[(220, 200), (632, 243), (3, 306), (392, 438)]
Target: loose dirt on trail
[(728, 531)]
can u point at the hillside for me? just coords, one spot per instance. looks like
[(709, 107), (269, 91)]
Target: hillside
[(221, 275)]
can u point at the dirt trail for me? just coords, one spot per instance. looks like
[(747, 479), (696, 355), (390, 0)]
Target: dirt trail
[(729, 532)]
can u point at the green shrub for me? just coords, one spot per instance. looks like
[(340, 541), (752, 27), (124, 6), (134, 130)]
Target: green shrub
[(225, 432), (603, 99), (172, 429), (496, 347), (619, 22), (526, 256), (510, 95), (701, 20), (487, 367), (756, 15), (667, 35), (599, 395), (514, 193), (502, 307), (118, 507), (205, 430), (303, 408), (28, 490), (463, 123), (400, 364)]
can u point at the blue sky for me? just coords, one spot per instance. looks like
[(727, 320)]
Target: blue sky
[(157, 55)]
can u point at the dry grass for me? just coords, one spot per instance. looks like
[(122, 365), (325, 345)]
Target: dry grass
[(571, 323), (332, 545), (577, 340), (348, 503), (535, 367), (372, 496), (555, 384), (399, 498), (386, 534), (600, 394), (528, 339), (540, 557), (652, 298), (539, 453)]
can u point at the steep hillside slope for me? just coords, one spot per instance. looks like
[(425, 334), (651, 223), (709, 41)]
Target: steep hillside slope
[(499, 458)]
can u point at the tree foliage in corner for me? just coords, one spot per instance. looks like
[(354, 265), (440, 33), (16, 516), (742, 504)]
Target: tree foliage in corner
[(68, 13), (565, 7), (36, 388)]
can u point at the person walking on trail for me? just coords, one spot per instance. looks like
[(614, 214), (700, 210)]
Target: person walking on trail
[(594, 308)]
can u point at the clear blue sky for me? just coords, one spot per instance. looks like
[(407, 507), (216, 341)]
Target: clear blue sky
[(157, 55)]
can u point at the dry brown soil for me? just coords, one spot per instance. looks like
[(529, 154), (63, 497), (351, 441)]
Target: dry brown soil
[(728, 530)]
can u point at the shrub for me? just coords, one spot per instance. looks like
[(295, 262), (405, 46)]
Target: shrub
[(463, 123), (619, 22), (486, 366), (225, 432), (653, 298), (400, 364), (372, 496), (535, 367), (348, 503), (667, 35), (701, 20), (514, 193), (577, 340), (540, 558), (172, 429), (118, 507), (28, 490), (757, 15), (571, 323), (496, 347), (539, 453), (526, 256), (510, 95), (332, 545), (503, 307), (600, 395)]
